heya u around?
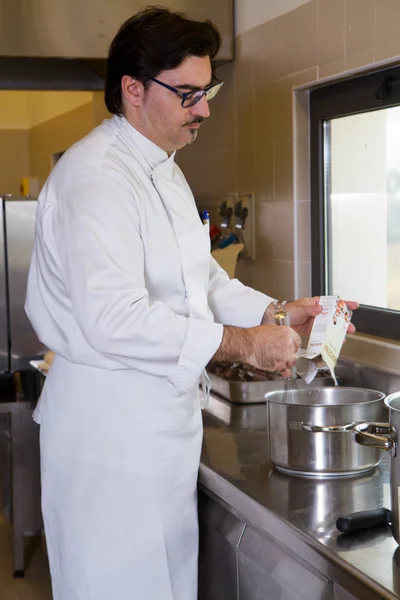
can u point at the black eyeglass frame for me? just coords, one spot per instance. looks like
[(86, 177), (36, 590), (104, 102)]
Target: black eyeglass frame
[(216, 82)]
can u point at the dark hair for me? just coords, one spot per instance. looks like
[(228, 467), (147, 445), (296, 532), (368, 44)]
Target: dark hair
[(154, 40)]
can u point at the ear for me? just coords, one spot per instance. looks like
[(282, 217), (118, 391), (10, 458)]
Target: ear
[(132, 90)]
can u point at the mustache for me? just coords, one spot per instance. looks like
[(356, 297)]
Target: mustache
[(195, 120)]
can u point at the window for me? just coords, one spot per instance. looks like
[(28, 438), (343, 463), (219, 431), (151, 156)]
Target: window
[(355, 200)]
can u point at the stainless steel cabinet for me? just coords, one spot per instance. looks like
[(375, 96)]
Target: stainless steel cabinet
[(4, 344), (236, 562), (220, 533), (5, 467), (20, 231), (18, 341), (20, 497), (266, 572), (341, 594), (25, 474)]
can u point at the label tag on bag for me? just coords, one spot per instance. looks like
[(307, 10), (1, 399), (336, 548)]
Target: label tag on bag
[(329, 332)]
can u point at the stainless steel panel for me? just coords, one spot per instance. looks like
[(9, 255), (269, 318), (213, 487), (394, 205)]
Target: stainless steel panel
[(341, 594), (265, 571), (3, 301), (253, 392), (5, 467), (302, 513), (26, 497), (243, 416), (353, 374), (393, 402), (220, 533), (385, 436), (20, 231), (22, 73)]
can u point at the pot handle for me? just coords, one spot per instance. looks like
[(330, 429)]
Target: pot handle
[(367, 434), (363, 520), (327, 428)]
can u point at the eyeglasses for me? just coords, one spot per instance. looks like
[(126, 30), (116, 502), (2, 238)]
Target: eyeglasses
[(191, 98)]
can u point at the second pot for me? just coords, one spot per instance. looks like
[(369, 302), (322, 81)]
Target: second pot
[(385, 436), (313, 438)]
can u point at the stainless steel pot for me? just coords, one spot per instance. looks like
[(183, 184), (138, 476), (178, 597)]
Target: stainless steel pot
[(385, 436), (313, 437)]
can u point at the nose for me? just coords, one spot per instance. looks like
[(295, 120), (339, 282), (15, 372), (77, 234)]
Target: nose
[(201, 109)]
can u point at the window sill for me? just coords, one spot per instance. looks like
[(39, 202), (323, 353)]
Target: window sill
[(375, 351)]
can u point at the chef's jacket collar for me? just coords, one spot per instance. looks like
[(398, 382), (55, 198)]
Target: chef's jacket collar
[(156, 157)]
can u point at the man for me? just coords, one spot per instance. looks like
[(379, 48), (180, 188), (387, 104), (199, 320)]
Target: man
[(123, 289)]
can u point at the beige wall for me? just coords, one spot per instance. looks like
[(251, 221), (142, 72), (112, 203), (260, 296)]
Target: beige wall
[(100, 111), (13, 110), (56, 135), (24, 109), (45, 105), (33, 125), (59, 133), (249, 142), (14, 159), (250, 13)]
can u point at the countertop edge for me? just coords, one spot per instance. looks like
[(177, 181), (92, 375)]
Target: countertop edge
[(296, 542)]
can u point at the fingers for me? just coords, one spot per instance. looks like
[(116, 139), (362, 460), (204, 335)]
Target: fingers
[(296, 339), (286, 370), (352, 305), (291, 362), (286, 373), (290, 358), (303, 309), (312, 307), (274, 348)]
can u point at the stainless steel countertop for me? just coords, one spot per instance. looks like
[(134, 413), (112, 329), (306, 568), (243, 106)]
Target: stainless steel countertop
[(301, 513)]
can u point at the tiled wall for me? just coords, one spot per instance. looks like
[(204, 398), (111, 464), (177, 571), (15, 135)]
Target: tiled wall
[(59, 133), (56, 135), (248, 143), (14, 160)]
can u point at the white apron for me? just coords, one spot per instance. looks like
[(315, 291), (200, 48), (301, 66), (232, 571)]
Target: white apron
[(122, 287)]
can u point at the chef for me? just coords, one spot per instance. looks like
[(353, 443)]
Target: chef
[(123, 289)]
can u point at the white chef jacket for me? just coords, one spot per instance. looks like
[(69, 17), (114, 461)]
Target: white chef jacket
[(122, 287)]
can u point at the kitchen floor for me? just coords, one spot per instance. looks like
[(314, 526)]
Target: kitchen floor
[(36, 583)]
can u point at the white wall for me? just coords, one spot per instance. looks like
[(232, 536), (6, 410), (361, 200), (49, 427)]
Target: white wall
[(250, 13)]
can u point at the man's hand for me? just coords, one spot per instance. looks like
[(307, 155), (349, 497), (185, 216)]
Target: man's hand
[(266, 347), (302, 313), (274, 348)]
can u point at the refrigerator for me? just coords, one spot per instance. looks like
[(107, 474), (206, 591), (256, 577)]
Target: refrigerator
[(18, 341)]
